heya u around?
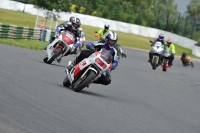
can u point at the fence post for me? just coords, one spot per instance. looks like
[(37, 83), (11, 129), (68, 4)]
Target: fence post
[(177, 24), (194, 23), (167, 22), (184, 33)]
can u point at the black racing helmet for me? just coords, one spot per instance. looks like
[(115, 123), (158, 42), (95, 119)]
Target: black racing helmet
[(106, 26), (71, 18), (76, 22)]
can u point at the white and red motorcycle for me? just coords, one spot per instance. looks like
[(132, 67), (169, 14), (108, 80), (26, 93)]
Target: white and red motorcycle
[(157, 50), (88, 70), (61, 45)]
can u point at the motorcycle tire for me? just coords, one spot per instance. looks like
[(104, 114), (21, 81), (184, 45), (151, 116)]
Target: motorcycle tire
[(191, 64), (66, 82), (45, 59), (164, 65), (84, 82), (154, 64), (53, 57)]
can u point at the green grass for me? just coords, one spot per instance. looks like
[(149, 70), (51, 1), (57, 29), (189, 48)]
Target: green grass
[(31, 44), (28, 20)]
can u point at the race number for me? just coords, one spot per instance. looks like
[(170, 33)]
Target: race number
[(84, 63), (158, 44)]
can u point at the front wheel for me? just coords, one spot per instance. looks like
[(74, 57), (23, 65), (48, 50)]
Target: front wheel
[(82, 83), (66, 82), (165, 65), (45, 59), (154, 63), (54, 55)]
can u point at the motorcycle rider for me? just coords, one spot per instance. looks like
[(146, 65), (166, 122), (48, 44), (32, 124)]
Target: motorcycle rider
[(72, 26), (159, 39), (101, 34), (53, 37), (82, 37), (184, 55), (81, 41), (110, 42), (170, 46)]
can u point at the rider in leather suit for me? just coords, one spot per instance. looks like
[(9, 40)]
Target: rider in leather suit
[(159, 39), (110, 42), (72, 26)]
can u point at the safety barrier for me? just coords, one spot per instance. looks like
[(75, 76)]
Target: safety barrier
[(18, 32), (196, 50)]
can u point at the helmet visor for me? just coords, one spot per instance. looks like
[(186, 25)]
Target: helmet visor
[(76, 26), (161, 37), (112, 42)]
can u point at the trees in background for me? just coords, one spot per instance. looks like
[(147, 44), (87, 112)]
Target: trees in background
[(57, 5), (161, 14)]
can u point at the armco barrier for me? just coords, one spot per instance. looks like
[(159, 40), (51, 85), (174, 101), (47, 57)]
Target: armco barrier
[(4, 30), (18, 32), (196, 50)]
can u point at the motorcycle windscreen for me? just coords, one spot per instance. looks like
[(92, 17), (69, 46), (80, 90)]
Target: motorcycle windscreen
[(68, 38), (106, 56), (166, 53)]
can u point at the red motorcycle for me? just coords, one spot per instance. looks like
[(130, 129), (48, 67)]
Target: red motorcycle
[(61, 45), (165, 58)]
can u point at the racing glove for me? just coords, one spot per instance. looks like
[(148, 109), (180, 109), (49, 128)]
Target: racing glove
[(123, 55)]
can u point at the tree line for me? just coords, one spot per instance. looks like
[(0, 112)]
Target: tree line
[(160, 14)]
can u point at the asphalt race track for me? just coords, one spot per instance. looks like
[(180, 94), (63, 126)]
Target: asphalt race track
[(139, 100)]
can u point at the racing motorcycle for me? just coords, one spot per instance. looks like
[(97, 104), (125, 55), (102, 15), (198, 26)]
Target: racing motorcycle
[(61, 45), (157, 50), (165, 58), (88, 70), (186, 60)]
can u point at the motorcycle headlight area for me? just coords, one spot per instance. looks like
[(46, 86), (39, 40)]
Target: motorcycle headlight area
[(166, 54), (156, 49), (100, 63)]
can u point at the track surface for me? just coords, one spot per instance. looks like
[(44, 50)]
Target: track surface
[(139, 100)]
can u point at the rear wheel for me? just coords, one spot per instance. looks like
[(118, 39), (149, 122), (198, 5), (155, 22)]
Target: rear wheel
[(82, 83), (54, 55), (191, 64)]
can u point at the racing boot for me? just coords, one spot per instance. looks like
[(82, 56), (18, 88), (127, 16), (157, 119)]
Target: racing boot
[(45, 47), (69, 67), (73, 50)]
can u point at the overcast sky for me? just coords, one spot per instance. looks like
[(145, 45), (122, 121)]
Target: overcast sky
[(182, 5)]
